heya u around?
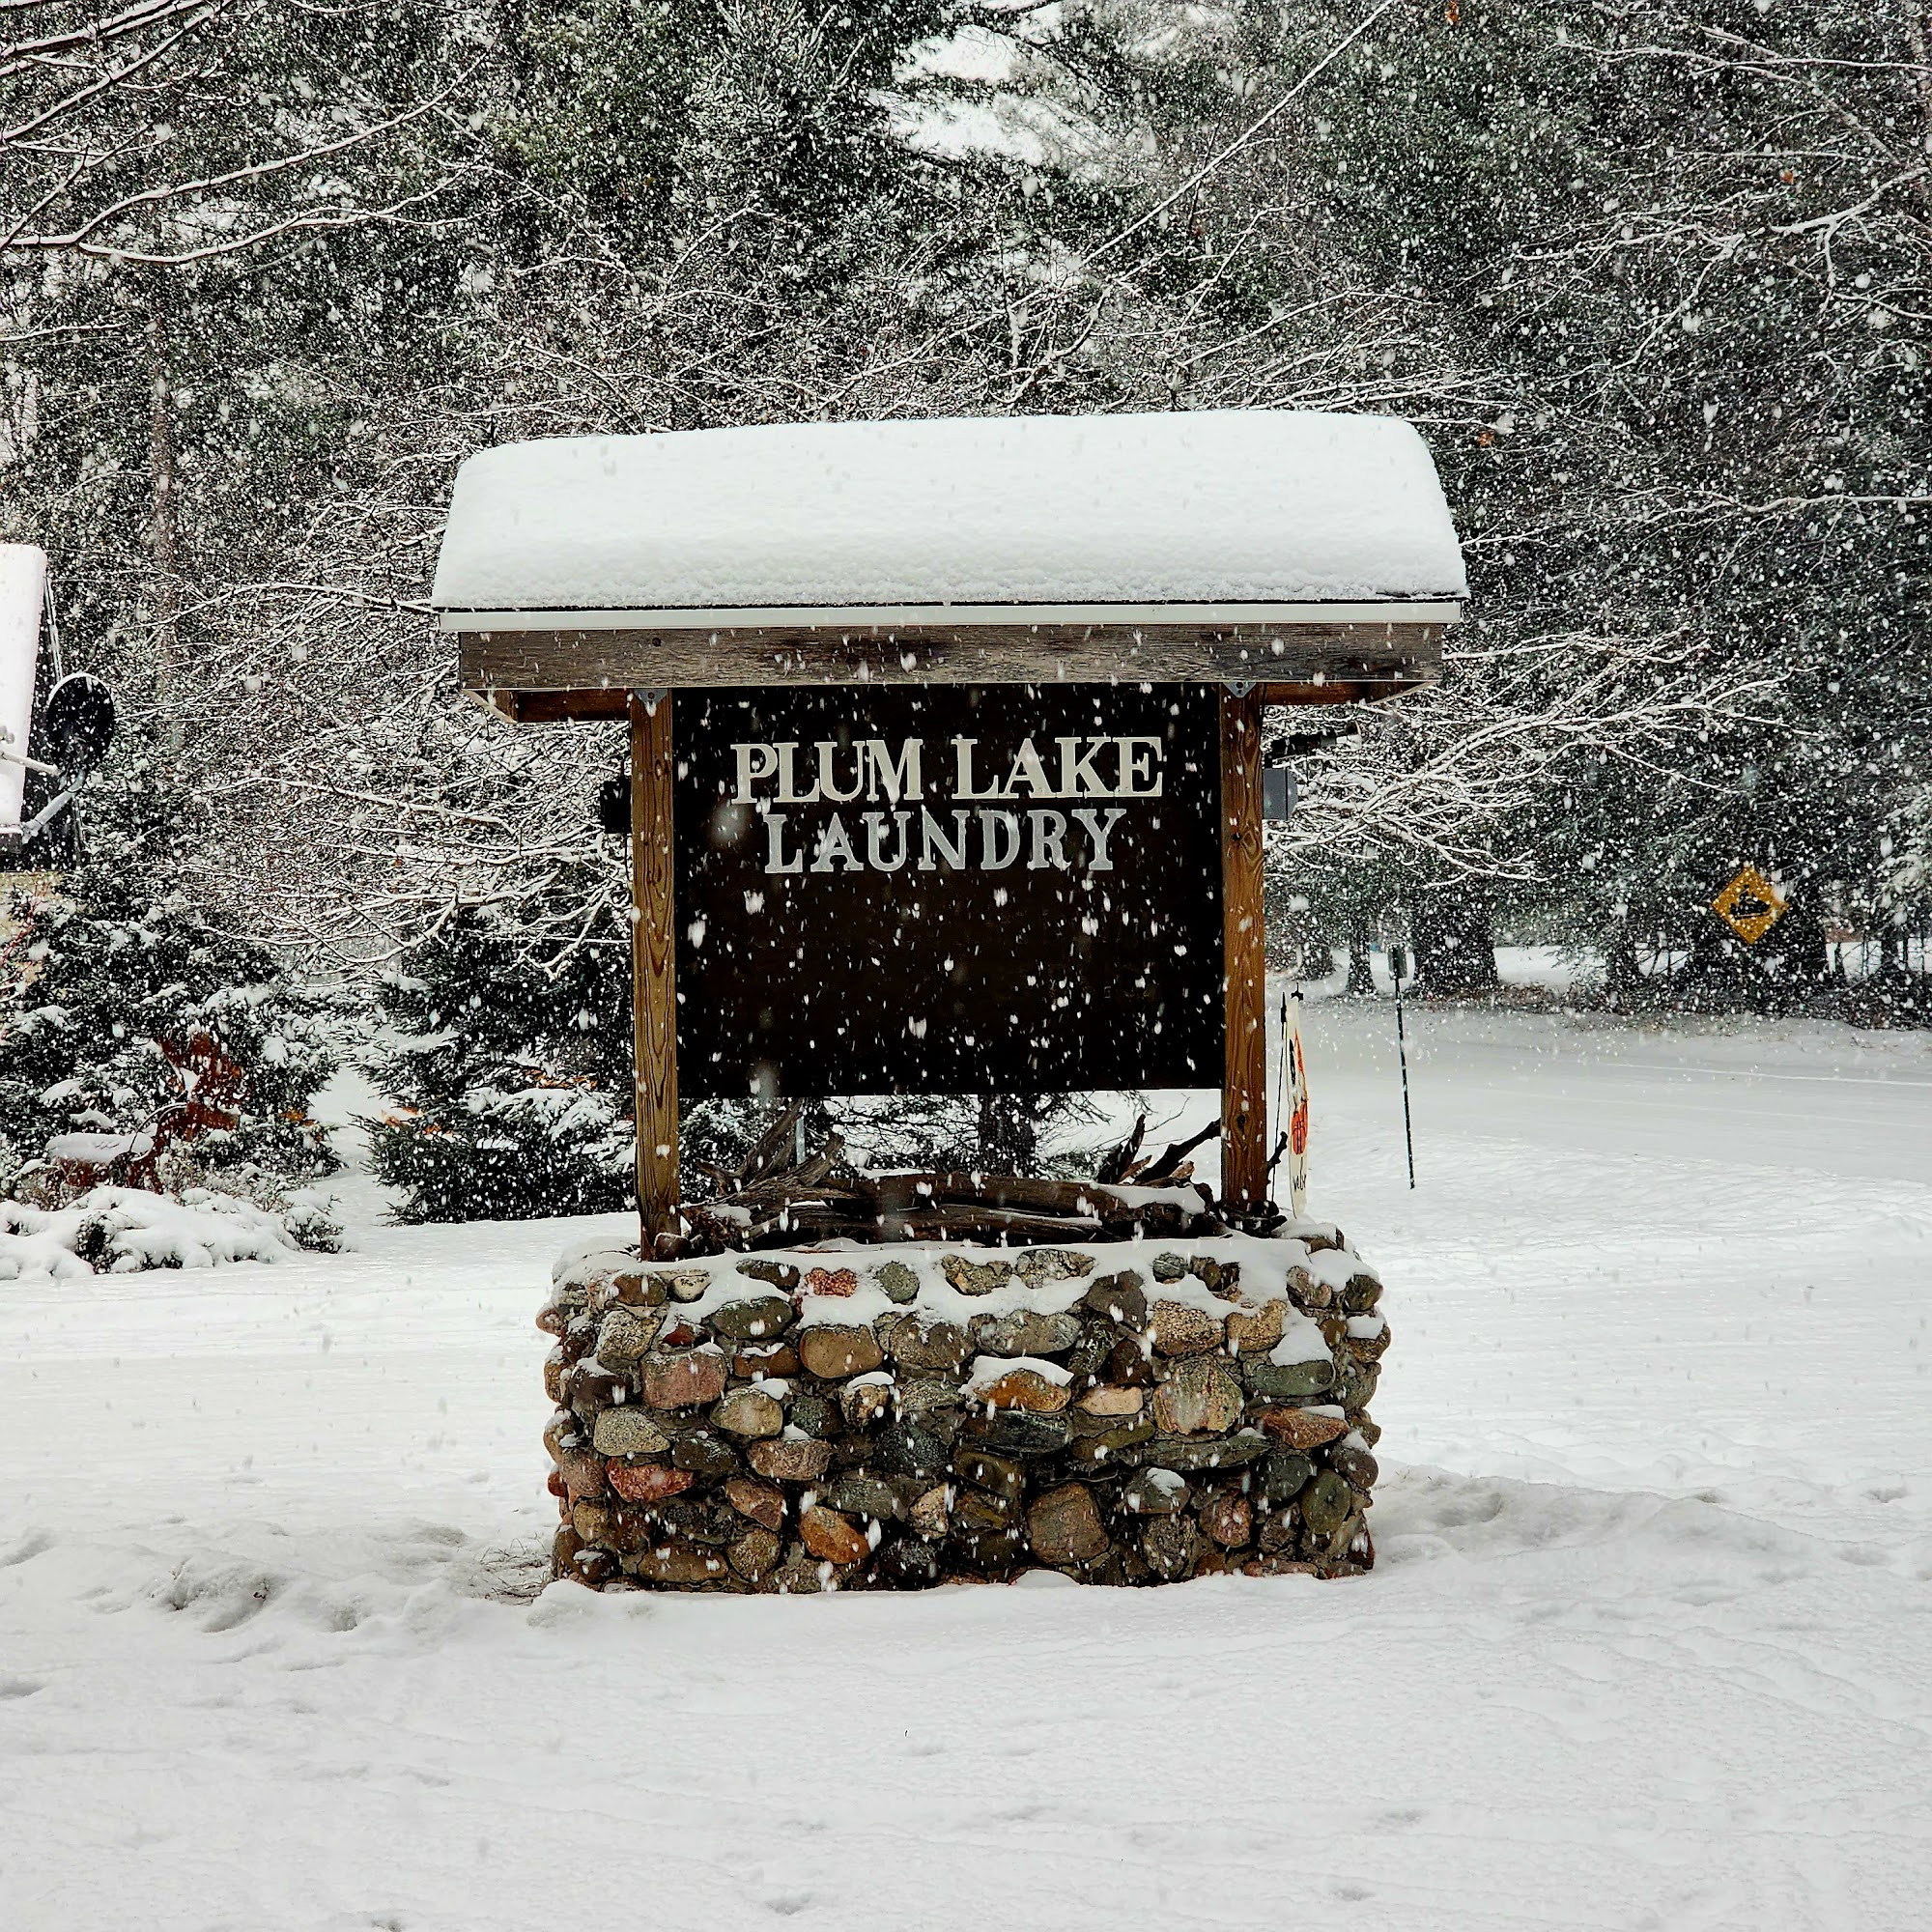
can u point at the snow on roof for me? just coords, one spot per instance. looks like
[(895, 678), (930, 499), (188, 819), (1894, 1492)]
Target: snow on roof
[(1210, 507)]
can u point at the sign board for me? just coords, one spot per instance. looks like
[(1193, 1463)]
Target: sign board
[(947, 889), (1750, 906), (23, 577)]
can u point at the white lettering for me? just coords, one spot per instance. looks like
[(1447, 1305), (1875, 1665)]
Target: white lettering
[(1028, 770), (875, 835), (775, 857), (1135, 756), (1099, 833), (1077, 776), (991, 857), (833, 843), (755, 762), (900, 779), (828, 751), (963, 747), (788, 792), (932, 837), (1049, 831)]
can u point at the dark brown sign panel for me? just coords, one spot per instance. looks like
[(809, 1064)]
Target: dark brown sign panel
[(947, 889)]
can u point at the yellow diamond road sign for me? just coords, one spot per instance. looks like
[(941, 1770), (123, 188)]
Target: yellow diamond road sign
[(1750, 906)]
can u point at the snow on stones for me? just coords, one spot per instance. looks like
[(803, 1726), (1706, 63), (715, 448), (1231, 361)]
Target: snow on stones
[(890, 1418)]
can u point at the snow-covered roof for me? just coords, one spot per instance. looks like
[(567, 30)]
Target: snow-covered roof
[(1210, 514)]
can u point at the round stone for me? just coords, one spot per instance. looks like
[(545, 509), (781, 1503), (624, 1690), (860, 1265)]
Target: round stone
[(929, 1345), (591, 1386), (704, 1453), (649, 1482), (627, 1336), (1024, 1331), (677, 1380), (754, 1318), (1278, 1381), (759, 1501), (1300, 1428), (628, 1431), (1171, 1546), (908, 1564), (832, 1352), (1360, 1293), (855, 1494), (831, 1537), (785, 1459), (1063, 1526), (1326, 1504), (908, 1448), (864, 1403), (780, 1275), (998, 1475), (896, 1281), (754, 1554), (675, 1562), (1181, 1329), (1256, 1330), (1024, 1389), (971, 1277), (1202, 1397), (1284, 1474), (1154, 1492), (1228, 1518), (1119, 1298), (748, 1413), (1014, 1431)]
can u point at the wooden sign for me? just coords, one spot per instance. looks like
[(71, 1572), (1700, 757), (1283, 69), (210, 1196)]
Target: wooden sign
[(947, 889)]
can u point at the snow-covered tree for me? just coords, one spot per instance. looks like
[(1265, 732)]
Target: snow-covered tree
[(177, 1050)]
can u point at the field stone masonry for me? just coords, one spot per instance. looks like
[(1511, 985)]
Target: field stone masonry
[(1134, 1413)]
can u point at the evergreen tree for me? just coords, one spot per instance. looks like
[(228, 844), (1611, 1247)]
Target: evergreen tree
[(126, 1015), (513, 1071)]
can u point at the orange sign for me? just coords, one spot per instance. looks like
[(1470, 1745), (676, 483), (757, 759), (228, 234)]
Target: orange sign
[(1750, 906)]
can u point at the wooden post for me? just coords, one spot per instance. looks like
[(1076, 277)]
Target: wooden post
[(1245, 956), (653, 966)]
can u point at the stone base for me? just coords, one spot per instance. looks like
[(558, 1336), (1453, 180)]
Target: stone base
[(894, 1417)]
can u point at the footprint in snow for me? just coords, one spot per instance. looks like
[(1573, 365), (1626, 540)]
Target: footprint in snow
[(19, 1687)]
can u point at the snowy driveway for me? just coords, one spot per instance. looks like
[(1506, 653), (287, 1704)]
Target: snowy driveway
[(1650, 1645)]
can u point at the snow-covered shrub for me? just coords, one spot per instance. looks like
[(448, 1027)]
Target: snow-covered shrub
[(118, 1230)]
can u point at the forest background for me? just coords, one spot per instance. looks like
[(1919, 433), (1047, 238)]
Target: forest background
[(1652, 279)]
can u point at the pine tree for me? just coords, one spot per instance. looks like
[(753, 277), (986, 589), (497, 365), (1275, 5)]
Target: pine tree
[(126, 1015), (513, 1070)]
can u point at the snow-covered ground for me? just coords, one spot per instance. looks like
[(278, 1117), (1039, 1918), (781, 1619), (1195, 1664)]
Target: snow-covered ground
[(1650, 1644)]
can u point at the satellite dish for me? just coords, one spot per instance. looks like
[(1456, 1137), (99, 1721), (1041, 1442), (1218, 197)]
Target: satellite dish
[(78, 720)]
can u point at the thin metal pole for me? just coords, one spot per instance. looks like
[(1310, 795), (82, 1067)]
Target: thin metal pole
[(1401, 1055)]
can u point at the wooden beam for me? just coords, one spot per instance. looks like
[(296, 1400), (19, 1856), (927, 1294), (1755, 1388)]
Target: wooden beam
[(653, 966), (1310, 658), (593, 705), (1244, 965)]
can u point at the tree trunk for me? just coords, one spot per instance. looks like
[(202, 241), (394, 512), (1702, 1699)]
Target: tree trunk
[(1361, 973), (163, 521), (1008, 1134), (1622, 975), (1455, 946)]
